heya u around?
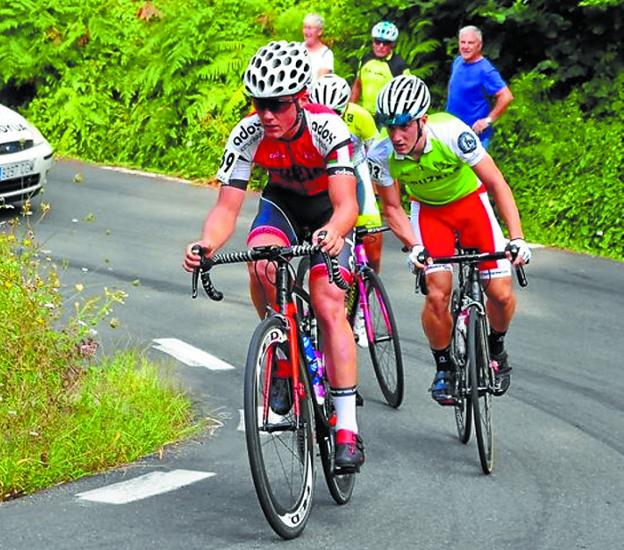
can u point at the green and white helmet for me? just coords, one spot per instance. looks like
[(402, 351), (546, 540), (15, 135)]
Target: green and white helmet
[(403, 99), (278, 69), (331, 90)]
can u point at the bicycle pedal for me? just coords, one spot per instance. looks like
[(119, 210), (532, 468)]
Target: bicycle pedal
[(446, 401), (346, 470)]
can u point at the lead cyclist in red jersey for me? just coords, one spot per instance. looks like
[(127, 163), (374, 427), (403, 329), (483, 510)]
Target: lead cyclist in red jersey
[(306, 150)]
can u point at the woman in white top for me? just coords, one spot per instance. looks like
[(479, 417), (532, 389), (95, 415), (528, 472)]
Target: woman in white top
[(321, 57)]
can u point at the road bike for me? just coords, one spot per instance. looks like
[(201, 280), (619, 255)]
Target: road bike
[(474, 370), (280, 446), (368, 297)]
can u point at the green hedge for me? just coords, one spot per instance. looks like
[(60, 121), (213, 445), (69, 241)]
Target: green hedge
[(565, 164)]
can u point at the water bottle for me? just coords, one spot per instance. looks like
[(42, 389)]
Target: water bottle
[(460, 332), (315, 368)]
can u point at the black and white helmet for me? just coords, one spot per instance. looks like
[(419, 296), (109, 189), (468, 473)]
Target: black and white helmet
[(278, 69), (403, 99), (331, 90)]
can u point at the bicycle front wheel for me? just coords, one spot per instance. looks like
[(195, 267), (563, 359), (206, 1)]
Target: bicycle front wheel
[(383, 340), (280, 446), (481, 381)]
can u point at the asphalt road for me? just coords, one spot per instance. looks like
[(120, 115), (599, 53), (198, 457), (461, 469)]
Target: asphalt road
[(559, 474)]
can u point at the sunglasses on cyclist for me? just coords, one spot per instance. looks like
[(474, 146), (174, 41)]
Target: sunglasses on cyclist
[(379, 41), (273, 104), (402, 119)]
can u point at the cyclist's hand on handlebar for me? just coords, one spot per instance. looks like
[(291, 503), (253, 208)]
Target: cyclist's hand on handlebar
[(418, 258), (191, 260), (521, 250), (331, 241)]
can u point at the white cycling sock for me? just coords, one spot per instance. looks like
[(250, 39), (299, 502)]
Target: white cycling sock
[(344, 403)]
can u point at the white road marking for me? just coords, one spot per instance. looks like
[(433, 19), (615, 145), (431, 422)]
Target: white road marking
[(190, 355), (241, 421), (144, 486)]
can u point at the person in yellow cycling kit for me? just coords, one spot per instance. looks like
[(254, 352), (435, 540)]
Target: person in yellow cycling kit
[(333, 91), (378, 66)]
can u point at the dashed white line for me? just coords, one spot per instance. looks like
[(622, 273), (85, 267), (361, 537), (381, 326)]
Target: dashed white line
[(190, 355), (144, 486)]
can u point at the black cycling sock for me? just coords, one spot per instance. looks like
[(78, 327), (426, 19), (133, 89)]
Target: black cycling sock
[(496, 341), (442, 358)]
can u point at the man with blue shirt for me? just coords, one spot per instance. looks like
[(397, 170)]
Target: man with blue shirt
[(474, 80)]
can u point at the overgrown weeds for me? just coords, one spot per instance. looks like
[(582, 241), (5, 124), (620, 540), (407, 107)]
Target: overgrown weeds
[(64, 412)]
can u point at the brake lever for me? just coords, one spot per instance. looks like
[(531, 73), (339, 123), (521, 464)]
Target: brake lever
[(195, 277)]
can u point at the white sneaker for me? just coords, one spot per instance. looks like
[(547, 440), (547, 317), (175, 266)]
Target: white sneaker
[(359, 329)]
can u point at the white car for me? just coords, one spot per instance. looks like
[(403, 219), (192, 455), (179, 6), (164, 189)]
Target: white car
[(25, 157)]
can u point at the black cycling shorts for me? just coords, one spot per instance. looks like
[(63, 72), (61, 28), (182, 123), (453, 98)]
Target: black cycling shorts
[(293, 218)]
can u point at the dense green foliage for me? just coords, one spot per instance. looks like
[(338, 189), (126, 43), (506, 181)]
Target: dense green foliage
[(157, 85), (62, 413), (565, 165)]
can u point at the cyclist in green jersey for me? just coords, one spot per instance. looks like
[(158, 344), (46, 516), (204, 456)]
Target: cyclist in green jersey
[(447, 174)]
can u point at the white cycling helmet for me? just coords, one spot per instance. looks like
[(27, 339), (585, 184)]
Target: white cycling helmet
[(385, 30), (278, 69), (331, 90), (403, 99)]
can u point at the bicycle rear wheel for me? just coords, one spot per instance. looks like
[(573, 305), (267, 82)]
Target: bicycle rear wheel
[(463, 405), (481, 381), (340, 486), (383, 341), (280, 447)]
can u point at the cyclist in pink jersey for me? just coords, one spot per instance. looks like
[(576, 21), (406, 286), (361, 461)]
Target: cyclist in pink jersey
[(306, 151)]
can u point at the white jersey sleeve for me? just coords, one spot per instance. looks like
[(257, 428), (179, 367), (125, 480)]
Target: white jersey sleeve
[(377, 156), (235, 167), (458, 136), (332, 138)]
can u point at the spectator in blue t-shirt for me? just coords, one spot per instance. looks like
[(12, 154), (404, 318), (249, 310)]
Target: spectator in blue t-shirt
[(474, 80)]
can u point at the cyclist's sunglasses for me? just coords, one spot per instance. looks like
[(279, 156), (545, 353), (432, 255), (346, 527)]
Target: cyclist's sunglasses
[(379, 41), (397, 120), (273, 104)]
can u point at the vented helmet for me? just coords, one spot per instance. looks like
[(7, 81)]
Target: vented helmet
[(331, 90), (385, 30), (403, 99), (278, 69)]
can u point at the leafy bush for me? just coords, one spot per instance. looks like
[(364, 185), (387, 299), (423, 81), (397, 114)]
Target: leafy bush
[(155, 88), (565, 165)]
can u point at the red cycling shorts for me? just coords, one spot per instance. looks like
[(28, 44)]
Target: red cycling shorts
[(471, 219)]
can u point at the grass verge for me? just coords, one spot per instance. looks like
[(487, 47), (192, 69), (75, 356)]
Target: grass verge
[(62, 413)]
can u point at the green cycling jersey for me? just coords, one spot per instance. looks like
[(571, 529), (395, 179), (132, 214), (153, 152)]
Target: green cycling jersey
[(443, 172)]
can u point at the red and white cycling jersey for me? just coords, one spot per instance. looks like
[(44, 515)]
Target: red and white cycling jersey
[(321, 148)]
